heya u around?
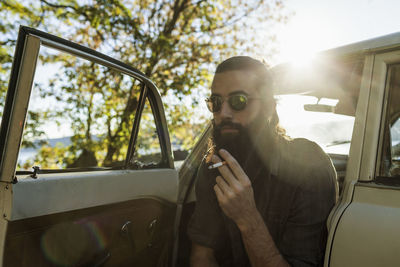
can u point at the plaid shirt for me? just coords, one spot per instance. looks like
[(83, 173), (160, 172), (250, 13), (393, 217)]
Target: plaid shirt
[(294, 192)]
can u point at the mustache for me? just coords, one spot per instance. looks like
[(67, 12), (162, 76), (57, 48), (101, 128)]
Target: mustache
[(227, 123)]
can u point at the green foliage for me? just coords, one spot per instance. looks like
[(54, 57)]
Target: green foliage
[(50, 158), (174, 42)]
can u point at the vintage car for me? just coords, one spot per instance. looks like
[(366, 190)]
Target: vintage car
[(127, 205)]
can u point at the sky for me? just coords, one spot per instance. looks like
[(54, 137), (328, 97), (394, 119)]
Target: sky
[(321, 24)]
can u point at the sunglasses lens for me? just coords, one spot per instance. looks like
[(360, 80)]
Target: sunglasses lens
[(214, 103), (238, 102)]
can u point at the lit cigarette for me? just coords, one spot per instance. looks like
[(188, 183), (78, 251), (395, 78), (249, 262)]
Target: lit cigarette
[(216, 165)]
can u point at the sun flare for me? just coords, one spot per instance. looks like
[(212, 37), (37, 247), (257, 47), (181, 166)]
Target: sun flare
[(302, 37)]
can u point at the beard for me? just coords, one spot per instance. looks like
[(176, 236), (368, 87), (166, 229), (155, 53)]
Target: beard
[(237, 143), (250, 145)]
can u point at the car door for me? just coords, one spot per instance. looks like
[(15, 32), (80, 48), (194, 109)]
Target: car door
[(364, 226), (104, 191)]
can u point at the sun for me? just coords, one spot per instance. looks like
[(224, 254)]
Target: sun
[(295, 49), (302, 37)]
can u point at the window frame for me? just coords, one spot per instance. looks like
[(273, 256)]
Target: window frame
[(386, 180), (129, 161), (392, 124), (367, 130)]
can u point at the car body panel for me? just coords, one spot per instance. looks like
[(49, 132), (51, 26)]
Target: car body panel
[(367, 234)]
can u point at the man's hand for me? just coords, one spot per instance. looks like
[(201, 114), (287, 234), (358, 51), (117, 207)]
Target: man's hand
[(234, 191), (236, 199)]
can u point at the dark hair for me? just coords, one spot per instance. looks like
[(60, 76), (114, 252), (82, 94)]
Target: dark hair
[(264, 83), (264, 78)]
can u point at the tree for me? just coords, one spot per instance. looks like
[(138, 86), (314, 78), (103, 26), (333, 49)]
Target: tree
[(174, 42)]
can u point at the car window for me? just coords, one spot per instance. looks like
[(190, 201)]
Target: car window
[(318, 101), (395, 140), (147, 148), (331, 131), (390, 160), (80, 114)]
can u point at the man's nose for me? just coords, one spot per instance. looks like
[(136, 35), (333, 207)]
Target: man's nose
[(226, 111)]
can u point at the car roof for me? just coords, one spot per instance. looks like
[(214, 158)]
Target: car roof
[(335, 73), (386, 42)]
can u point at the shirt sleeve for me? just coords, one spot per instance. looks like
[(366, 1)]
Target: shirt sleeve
[(305, 235), (206, 225)]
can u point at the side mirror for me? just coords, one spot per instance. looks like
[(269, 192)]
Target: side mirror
[(319, 108)]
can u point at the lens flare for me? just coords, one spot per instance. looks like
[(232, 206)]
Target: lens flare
[(68, 244)]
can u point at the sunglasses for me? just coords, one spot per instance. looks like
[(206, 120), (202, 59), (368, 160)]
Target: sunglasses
[(236, 102)]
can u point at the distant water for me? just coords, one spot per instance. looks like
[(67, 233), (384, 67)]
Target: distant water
[(29, 153), (25, 154)]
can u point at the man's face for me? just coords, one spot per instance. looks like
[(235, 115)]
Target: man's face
[(229, 83)]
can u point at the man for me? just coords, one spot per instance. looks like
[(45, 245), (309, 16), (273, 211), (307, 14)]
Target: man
[(268, 203)]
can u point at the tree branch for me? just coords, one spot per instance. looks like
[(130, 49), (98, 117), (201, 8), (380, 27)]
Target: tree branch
[(8, 42), (58, 6), (178, 8), (230, 21)]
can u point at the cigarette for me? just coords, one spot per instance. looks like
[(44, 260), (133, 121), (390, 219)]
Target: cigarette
[(216, 165)]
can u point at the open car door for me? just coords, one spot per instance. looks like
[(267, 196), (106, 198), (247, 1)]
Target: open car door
[(103, 190)]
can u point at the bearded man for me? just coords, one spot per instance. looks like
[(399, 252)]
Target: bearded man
[(267, 203)]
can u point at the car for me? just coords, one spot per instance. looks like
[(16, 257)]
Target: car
[(110, 195), (347, 100)]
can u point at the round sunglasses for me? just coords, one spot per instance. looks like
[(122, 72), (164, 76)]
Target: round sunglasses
[(236, 102)]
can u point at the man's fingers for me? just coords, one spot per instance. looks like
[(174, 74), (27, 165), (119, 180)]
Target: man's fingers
[(234, 166), (226, 173), (225, 188), (219, 194), (215, 159)]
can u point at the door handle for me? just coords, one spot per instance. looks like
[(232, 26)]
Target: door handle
[(126, 232), (151, 230)]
